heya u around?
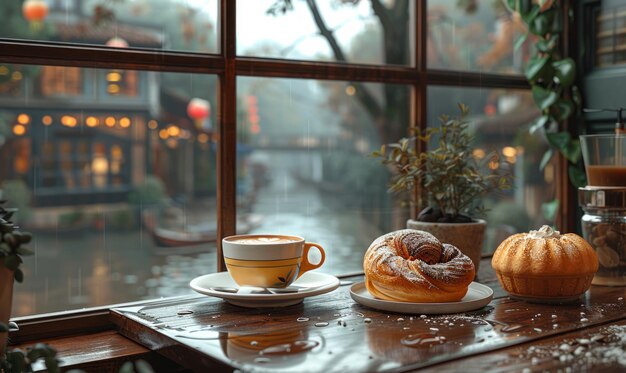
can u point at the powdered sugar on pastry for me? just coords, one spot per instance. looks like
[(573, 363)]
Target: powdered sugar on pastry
[(411, 265)]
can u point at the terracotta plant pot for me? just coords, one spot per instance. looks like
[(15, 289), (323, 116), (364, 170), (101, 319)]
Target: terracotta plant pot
[(6, 297), (467, 237)]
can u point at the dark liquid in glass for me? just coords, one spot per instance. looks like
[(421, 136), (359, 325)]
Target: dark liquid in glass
[(606, 176)]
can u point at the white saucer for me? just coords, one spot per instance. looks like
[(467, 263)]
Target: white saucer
[(478, 296), (311, 283)]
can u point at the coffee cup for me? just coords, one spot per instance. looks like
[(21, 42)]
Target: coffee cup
[(268, 260)]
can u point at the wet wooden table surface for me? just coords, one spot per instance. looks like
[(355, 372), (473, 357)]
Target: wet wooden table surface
[(332, 333)]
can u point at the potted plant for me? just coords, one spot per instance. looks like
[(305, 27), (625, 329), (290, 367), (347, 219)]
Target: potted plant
[(11, 252), (450, 177)]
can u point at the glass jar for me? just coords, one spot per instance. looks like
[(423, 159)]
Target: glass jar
[(604, 227)]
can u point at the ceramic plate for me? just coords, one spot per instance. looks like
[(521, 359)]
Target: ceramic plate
[(221, 285), (478, 296)]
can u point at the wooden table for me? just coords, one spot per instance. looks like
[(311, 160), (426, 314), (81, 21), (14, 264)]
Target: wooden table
[(332, 333)]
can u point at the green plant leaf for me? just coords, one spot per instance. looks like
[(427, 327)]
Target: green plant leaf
[(520, 41), (543, 97), (547, 156), (547, 45), (565, 71), (535, 67), (565, 109), (143, 367), (572, 152), (540, 25), (529, 12), (577, 176), (556, 26), (24, 251), (576, 96), (559, 140), (539, 124), (12, 262), (550, 209), (3, 328), (18, 275), (17, 360)]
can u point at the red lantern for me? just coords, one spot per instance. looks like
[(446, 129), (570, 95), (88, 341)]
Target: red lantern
[(35, 10), (198, 110)]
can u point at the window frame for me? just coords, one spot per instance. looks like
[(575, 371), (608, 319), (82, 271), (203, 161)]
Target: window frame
[(228, 66)]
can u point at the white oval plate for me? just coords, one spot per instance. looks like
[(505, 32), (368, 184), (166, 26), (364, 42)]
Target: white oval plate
[(478, 296), (311, 283)]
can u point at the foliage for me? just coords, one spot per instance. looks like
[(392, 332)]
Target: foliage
[(20, 361), (453, 179), (18, 192), (150, 193), (551, 78), (11, 241)]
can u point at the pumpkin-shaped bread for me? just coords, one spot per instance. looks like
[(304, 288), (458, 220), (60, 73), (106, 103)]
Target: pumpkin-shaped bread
[(545, 266)]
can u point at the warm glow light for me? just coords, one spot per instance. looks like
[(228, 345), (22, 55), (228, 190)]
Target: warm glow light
[(113, 89), (203, 138), (23, 118), (173, 131), (153, 124), (99, 165), (19, 130), (509, 151), (124, 122), (479, 153), (512, 159), (114, 76), (350, 90), (493, 165), (163, 134), (17, 75), (91, 121), (116, 42), (109, 121), (4, 70), (69, 121), (46, 120), (172, 143)]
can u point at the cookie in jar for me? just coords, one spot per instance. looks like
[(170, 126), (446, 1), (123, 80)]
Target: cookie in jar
[(604, 227)]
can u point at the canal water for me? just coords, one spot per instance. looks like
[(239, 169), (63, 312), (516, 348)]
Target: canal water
[(109, 267)]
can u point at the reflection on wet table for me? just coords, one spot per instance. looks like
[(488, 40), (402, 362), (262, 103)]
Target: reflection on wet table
[(332, 333)]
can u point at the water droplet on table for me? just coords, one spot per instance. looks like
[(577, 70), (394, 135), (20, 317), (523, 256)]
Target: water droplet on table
[(511, 328), (184, 312), (302, 319), (321, 324)]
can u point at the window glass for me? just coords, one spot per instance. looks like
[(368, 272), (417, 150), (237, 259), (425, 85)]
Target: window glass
[(185, 26), (304, 166), (345, 31), (120, 195), (500, 120), (475, 36)]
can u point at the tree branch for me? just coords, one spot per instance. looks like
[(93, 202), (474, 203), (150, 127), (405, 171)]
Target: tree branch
[(382, 13), (369, 102)]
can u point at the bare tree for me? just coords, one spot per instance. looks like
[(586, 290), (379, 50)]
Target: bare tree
[(392, 115)]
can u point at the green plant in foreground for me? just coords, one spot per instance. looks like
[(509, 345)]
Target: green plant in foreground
[(21, 361), (452, 178), (11, 241)]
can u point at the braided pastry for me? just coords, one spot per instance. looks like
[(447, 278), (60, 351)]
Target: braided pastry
[(413, 266)]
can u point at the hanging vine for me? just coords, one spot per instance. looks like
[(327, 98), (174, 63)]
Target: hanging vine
[(552, 79)]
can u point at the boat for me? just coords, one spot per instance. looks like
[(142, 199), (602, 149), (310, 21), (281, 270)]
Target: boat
[(195, 234)]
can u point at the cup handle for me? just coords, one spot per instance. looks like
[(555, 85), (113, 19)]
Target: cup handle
[(306, 266)]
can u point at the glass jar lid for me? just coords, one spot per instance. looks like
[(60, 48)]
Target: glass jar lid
[(602, 197)]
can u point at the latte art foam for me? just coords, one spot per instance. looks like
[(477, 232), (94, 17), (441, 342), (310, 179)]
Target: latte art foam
[(264, 240)]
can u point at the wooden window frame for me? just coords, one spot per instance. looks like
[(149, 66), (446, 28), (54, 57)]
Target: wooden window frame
[(228, 66)]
